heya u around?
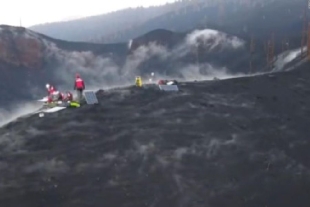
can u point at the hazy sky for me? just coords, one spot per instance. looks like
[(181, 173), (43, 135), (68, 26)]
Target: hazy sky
[(34, 12)]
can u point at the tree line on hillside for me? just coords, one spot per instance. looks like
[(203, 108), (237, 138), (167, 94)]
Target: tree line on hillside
[(186, 15), (120, 25)]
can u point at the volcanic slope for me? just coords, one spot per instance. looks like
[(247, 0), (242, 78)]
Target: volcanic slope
[(237, 142)]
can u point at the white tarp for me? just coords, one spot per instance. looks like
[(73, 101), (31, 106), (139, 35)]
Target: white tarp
[(52, 110), (168, 87)]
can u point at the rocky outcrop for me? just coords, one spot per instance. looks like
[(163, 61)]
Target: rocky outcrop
[(20, 47)]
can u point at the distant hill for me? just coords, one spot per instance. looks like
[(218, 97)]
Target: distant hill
[(184, 18), (92, 28), (129, 23), (257, 17)]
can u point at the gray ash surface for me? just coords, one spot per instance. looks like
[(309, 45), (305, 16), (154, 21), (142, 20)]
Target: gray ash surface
[(241, 142)]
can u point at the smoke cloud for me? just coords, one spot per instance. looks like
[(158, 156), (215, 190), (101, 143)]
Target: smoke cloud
[(206, 72), (213, 39), (286, 57), (103, 72), (16, 111)]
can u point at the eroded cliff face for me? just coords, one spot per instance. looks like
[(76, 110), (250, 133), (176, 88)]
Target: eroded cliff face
[(21, 47)]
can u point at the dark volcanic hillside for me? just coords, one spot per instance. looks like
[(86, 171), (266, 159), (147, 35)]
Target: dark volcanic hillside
[(282, 18), (239, 142)]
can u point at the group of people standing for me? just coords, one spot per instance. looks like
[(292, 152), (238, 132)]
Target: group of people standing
[(55, 95)]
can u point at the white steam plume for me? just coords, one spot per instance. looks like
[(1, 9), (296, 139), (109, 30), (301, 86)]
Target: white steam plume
[(130, 44), (213, 39), (16, 111), (286, 57)]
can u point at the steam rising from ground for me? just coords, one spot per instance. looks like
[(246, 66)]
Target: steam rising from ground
[(213, 39), (103, 72), (286, 57), (193, 72), (17, 110)]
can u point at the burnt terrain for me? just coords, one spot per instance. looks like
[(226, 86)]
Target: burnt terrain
[(235, 142)]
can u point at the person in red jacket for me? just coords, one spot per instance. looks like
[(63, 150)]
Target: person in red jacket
[(55, 96), (50, 89), (79, 86), (68, 96), (51, 93)]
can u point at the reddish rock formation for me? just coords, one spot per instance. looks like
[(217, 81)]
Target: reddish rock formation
[(19, 48), (30, 52)]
